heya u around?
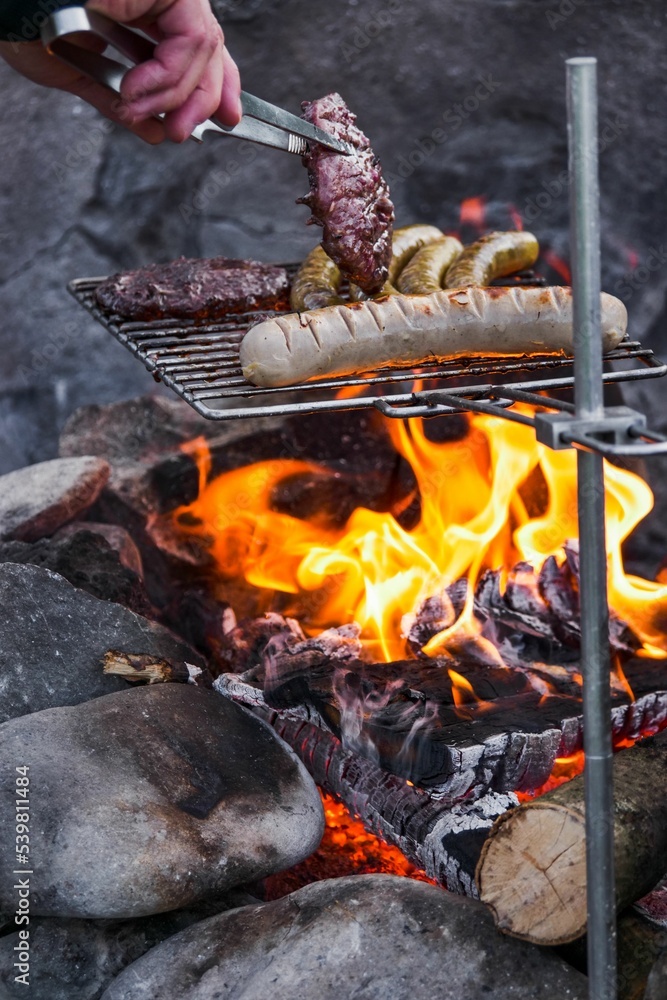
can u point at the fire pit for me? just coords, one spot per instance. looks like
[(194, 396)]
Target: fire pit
[(430, 750), (420, 626)]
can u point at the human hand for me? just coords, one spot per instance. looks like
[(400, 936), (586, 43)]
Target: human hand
[(190, 77)]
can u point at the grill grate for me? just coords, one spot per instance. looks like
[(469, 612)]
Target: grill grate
[(200, 362)]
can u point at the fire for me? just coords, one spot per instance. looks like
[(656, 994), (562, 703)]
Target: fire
[(463, 693), (492, 499), (473, 212), (558, 265), (347, 848)]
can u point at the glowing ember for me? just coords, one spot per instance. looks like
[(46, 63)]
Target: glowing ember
[(492, 499), (347, 848)]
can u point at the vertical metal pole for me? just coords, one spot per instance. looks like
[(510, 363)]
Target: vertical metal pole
[(589, 403)]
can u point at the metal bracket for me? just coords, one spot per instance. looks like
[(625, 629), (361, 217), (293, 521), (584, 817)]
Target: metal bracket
[(617, 432), (620, 425)]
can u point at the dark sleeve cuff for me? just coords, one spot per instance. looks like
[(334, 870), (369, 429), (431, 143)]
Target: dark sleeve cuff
[(21, 20)]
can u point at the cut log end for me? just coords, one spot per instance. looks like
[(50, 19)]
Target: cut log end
[(538, 852)]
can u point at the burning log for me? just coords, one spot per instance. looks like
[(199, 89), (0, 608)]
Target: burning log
[(457, 726), (532, 870), (443, 840), (529, 616)]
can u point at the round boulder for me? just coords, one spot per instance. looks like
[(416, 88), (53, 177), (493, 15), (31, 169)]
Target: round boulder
[(152, 799), (370, 937)]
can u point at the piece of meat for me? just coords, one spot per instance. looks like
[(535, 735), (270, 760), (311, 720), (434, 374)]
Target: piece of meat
[(349, 197), (195, 289)]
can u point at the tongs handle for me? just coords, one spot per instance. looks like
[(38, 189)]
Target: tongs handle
[(98, 67)]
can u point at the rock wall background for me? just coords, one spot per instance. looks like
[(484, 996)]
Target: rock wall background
[(80, 197)]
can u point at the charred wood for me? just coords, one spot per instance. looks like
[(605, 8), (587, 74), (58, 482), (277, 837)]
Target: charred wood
[(148, 669), (443, 840), (416, 719)]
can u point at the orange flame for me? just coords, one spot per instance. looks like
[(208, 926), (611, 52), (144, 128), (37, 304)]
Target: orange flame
[(558, 265), (490, 500), (515, 216), (473, 212)]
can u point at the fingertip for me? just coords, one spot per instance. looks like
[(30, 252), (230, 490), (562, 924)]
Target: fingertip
[(176, 128)]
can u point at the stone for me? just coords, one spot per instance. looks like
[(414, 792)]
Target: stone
[(53, 639), (153, 799), (368, 936), (118, 538), (76, 959), (37, 500), (86, 558), (143, 440), (656, 988)]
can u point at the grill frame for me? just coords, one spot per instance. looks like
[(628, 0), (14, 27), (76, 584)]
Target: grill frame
[(168, 350)]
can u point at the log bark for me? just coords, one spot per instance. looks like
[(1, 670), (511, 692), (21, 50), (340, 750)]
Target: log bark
[(152, 670), (532, 870)]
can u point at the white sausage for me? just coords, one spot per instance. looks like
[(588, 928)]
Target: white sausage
[(404, 331)]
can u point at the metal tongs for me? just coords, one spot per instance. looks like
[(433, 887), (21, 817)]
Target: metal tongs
[(261, 122)]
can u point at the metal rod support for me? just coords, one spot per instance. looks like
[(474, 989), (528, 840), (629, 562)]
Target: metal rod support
[(589, 404)]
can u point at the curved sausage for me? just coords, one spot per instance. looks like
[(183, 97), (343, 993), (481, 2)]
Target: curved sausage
[(316, 283), (405, 243), (493, 256), (426, 271)]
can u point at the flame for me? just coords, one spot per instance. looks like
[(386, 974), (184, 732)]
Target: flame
[(558, 265), (492, 499), (463, 693), (473, 212), (515, 216), (564, 769)]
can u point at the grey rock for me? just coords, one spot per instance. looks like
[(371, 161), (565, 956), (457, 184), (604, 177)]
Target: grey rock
[(77, 959), (118, 538), (39, 499), (656, 988), (369, 937), (88, 560), (153, 799), (53, 638), (142, 439)]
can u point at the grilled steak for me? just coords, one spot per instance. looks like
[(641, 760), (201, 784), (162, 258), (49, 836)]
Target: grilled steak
[(195, 289), (349, 197)]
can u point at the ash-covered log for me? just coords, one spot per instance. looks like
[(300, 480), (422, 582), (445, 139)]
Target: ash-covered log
[(532, 871), (444, 840), (457, 726)]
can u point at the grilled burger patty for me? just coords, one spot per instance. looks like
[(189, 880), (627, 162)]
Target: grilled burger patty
[(349, 197), (195, 289)]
